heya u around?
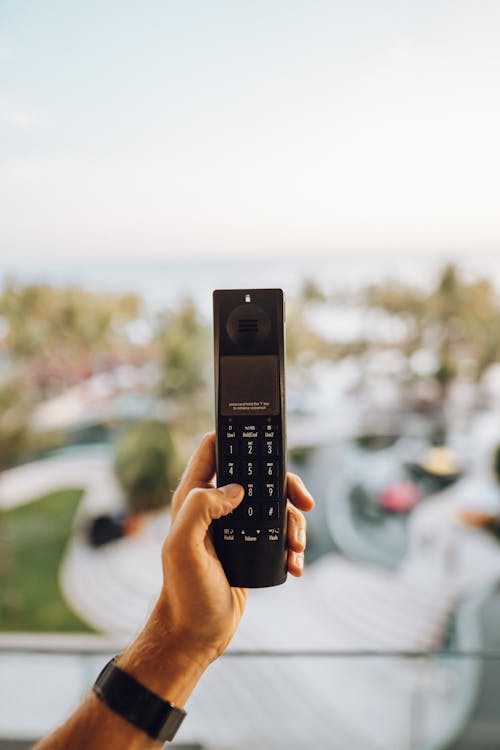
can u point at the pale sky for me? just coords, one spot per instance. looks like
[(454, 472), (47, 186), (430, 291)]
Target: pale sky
[(159, 129)]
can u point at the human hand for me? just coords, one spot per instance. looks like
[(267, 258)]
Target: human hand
[(202, 607), (197, 612)]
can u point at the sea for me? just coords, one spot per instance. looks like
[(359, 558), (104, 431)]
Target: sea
[(163, 283)]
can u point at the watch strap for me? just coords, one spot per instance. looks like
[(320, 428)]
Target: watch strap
[(132, 700)]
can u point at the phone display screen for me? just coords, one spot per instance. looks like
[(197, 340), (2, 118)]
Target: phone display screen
[(249, 385)]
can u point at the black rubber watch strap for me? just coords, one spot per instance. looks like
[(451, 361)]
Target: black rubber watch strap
[(127, 697)]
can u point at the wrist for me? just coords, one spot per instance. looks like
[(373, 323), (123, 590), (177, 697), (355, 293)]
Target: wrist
[(163, 659)]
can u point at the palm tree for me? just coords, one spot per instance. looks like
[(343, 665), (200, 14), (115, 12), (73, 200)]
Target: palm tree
[(459, 320)]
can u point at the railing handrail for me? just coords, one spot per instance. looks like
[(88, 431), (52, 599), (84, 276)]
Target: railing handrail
[(80, 644)]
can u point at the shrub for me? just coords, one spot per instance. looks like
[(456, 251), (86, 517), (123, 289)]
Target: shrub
[(496, 463), (146, 466)]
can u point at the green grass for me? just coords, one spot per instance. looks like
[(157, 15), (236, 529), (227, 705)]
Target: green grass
[(32, 542)]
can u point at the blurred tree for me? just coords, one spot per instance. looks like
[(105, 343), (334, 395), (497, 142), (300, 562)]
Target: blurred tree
[(459, 321), (496, 463), (16, 437), (311, 292), (184, 344), (303, 344), (15, 442), (146, 465), (59, 336)]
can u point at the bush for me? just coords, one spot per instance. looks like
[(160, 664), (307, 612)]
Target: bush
[(496, 463), (146, 466)]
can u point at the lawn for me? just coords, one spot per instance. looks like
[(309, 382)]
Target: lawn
[(32, 540)]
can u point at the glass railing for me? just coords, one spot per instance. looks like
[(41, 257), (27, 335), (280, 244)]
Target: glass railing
[(273, 699), (390, 641)]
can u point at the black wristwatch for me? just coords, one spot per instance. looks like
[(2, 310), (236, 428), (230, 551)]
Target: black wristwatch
[(127, 697)]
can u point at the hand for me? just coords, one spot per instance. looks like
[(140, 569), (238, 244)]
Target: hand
[(196, 614), (202, 608)]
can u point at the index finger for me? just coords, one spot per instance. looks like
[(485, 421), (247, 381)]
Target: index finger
[(198, 473)]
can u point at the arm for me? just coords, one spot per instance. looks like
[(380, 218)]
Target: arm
[(197, 612)]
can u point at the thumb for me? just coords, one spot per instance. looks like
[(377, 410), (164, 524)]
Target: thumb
[(201, 507)]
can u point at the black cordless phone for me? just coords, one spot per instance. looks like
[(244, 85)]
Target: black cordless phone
[(251, 439)]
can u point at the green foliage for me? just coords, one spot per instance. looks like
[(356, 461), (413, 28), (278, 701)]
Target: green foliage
[(55, 335), (184, 353), (184, 342), (496, 463), (16, 437), (311, 292), (300, 454), (459, 320), (18, 440), (146, 466), (446, 372), (303, 344), (37, 534), (370, 441), (43, 315)]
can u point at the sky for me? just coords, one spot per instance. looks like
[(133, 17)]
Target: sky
[(233, 128)]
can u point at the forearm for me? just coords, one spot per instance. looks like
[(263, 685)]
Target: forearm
[(160, 661), (93, 725)]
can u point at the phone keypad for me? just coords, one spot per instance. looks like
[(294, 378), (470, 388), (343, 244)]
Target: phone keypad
[(250, 456)]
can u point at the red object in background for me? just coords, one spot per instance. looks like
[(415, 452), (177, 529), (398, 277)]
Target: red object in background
[(132, 524), (400, 497)]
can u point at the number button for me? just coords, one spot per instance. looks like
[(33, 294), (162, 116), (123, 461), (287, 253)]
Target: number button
[(249, 469), (271, 469), (250, 490), (271, 490), (271, 447), (250, 511), (230, 448), (249, 447), (271, 511), (231, 471)]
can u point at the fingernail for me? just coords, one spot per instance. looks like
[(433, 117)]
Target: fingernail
[(299, 561), (232, 490), (301, 536)]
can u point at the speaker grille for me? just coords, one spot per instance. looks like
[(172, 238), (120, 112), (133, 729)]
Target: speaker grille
[(248, 325)]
